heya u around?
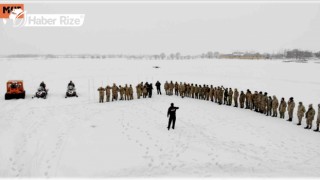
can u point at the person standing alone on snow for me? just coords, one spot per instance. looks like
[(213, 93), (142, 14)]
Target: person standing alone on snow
[(172, 115)]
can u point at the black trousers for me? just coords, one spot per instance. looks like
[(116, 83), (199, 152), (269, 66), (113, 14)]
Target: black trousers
[(158, 91), (173, 121)]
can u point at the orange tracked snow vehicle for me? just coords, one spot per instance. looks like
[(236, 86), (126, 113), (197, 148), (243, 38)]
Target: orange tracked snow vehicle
[(15, 90)]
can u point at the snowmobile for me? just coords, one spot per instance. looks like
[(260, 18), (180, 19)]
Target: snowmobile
[(41, 93), (71, 92), (15, 90)]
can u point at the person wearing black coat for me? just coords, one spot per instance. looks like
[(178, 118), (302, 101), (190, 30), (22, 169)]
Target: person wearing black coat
[(71, 84), (158, 85), (225, 97), (43, 85), (172, 116), (150, 88)]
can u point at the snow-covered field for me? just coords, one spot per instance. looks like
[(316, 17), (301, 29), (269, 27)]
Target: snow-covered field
[(78, 137)]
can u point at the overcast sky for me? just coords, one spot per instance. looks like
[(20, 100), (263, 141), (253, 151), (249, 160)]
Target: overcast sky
[(138, 28)]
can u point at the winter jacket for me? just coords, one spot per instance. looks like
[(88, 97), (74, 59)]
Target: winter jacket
[(172, 111), (291, 105), (283, 106), (158, 84), (310, 114), (301, 110), (275, 103)]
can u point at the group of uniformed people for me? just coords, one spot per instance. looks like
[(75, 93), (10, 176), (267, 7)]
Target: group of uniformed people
[(257, 101), (112, 92), (144, 90), (125, 92)]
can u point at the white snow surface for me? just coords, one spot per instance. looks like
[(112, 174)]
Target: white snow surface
[(78, 137)]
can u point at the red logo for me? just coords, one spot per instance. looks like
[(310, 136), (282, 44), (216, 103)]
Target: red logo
[(14, 9)]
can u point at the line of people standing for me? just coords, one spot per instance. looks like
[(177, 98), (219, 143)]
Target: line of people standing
[(112, 93), (258, 101)]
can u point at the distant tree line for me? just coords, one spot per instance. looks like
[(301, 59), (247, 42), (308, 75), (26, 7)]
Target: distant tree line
[(286, 54), (299, 54)]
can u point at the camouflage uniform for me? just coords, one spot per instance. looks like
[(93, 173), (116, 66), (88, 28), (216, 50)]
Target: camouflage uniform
[(141, 89), (176, 89), (258, 102), (310, 116), (108, 93), (230, 96), (203, 92), (254, 100), (121, 92), (127, 93), (275, 104), (300, 112), (215, 94), (196, 91), (282, 108), (220, 95), (192, 91), (188, 89), (291, 106), (171, 86), (263, 103), (166, 88), (145, 91), (318, 118), (138, 90), (115, 90), (236, 96), (182, 90), (130, 92), (200, 92), (249, 100), (207, 93), (269, 106), (101, 94)]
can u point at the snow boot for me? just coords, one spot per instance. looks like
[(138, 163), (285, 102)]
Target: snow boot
[(289, 119), (299, 124), (307, 127), (316, 129)]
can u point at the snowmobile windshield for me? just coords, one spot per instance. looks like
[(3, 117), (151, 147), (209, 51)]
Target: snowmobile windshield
[(13, 86)]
